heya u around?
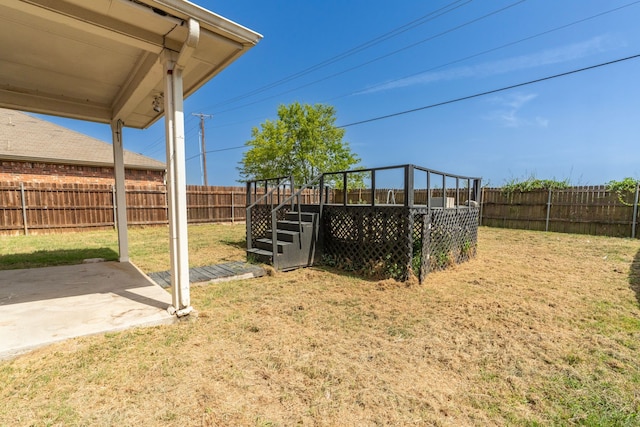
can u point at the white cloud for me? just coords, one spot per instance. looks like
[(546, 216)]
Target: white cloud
[(542, 122), (508, 113), (516, 100), (546, 57)]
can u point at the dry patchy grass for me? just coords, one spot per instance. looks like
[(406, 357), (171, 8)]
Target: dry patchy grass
[(539, 329), (208, 244), (148, 247)]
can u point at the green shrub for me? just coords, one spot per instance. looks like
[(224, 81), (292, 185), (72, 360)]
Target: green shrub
[(532, 183), (624, 189)]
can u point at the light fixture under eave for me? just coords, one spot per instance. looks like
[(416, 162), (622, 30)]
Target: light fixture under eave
[(158, 103)]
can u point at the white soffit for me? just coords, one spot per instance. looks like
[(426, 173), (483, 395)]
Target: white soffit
[(99, 60)]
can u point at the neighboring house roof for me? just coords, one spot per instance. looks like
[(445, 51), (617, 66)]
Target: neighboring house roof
[(27, 138)]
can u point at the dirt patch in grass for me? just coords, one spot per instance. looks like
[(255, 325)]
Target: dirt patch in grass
[(539, 329)]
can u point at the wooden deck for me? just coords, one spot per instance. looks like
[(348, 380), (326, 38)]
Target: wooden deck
[(213, 273)]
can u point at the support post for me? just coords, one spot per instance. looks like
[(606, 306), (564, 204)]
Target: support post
[(476, 190), (121, 196), (408, 186), (321, 199), (373, 187), (429, 194), (344, 188), (247, 216), (176, 185)]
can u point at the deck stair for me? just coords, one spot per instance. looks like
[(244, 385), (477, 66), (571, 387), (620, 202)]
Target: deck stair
[(296, 237), (428, 224)]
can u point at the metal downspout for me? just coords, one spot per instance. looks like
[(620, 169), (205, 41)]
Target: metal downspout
[(120, 197), (176, 171)]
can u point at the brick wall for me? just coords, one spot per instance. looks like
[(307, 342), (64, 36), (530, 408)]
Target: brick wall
[(15, 171)]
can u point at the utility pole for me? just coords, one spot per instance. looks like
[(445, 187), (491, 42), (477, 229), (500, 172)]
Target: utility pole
[(204, 147)]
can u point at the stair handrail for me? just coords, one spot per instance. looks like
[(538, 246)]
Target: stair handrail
[(281, 182), (274, 213)]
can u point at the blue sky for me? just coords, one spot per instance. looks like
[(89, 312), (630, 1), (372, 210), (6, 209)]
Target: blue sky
[(379, 58)]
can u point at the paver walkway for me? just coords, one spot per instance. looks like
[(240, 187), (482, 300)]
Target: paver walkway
[(213, 273)]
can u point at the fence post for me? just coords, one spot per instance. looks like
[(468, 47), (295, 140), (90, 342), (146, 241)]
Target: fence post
[(481, 205), (24, 209), (233, 209), (635, 212), (546, 227), (113, 203)]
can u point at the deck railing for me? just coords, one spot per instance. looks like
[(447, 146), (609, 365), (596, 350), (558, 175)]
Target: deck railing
[(274, 190), (464, 190)]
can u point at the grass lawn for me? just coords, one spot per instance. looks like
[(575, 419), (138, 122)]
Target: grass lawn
[(148, 247), (539, 329)]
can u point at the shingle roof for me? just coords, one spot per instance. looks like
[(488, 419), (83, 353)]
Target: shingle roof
[(25, 137)]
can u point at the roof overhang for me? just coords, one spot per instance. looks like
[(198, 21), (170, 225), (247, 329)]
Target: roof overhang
[(100, 60), (128, 166)]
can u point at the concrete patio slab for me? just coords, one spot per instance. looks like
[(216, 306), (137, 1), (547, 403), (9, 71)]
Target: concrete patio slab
[(41, 306)]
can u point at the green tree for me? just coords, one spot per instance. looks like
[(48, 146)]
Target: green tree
[(302, 142)]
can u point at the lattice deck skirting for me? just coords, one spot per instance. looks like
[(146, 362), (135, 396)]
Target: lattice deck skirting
[(397, 241), (428, 223)]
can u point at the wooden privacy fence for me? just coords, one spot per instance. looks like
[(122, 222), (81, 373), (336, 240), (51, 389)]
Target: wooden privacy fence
[(215, 204), (42, 208), (582, 210), (39, 207)]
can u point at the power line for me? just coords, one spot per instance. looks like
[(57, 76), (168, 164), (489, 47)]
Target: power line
[(450, 30), (158, 140), (217, 151), (475, 55), (464, 98), (452, 101), (502, 89), (494, 49), (151, 148), (377, 40)]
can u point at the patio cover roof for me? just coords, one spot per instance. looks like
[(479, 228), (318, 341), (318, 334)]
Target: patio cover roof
[(100, 60), (125, 63)]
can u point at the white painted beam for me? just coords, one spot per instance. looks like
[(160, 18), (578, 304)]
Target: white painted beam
[(37, 102), (146, 75), (121, 197)]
